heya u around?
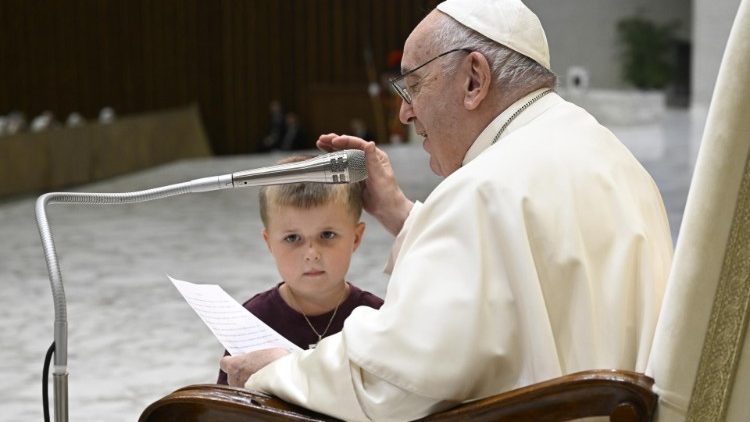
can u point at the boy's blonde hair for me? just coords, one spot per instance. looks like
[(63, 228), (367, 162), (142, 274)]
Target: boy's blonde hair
[(309, 195)]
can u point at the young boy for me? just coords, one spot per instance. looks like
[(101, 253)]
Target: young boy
[(311, 229)]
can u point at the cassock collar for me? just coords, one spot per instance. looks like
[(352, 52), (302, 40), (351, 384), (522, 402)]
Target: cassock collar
[(485, 138)]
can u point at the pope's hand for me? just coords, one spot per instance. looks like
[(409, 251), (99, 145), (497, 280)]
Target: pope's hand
[(239, 368), (381, 196)]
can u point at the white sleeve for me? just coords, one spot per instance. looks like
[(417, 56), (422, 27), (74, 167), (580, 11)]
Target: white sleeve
[(341, 388), (399, 241)]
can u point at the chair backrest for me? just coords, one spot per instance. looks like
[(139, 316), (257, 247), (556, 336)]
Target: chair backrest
[(700, 360)]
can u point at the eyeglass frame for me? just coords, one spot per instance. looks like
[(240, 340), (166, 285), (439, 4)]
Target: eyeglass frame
[(403, 92)]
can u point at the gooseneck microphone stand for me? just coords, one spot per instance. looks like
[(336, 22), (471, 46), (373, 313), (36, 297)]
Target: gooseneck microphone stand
[(347, 166), (60, 371)]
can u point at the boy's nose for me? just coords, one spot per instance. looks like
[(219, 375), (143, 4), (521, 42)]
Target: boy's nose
[(312, 254)]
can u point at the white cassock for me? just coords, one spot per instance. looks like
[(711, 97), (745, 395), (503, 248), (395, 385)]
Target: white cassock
[(545, 254)]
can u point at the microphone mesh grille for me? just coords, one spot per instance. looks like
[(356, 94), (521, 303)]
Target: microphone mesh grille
[(357, 164)]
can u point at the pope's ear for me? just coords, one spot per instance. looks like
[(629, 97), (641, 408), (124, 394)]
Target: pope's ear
[(478, 79)]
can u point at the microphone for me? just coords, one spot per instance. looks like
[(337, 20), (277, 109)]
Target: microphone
[(347, 166)]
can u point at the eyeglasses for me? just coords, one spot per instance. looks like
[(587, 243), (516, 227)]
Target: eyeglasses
[(399, 84)]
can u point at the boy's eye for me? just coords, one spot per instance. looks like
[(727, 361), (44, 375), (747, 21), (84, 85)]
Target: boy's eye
[(328, 235), (291, 238)]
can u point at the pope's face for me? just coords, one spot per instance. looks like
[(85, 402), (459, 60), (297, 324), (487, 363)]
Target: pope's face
[(313, 247), (436, 100)]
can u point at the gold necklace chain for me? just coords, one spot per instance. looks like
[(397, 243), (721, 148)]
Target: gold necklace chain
[(519, 111), (330, 321)]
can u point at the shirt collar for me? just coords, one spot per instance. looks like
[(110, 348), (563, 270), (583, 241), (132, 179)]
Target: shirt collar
[(485, 138)]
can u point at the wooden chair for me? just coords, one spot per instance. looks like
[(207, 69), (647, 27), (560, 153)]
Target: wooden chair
[(623, 396), (700, 358)]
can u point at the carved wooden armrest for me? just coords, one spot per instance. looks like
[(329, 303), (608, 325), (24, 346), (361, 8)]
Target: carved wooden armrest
[(213, 402), (622, 395)]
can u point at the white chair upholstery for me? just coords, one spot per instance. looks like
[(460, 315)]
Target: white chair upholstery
[(700, 359)]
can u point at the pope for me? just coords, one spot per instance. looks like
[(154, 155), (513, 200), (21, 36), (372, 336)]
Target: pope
[(544, 251)]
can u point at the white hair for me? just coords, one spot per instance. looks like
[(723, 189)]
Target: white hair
[(510, 69)]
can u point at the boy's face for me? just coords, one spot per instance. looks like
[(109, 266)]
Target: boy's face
[(312, 247)]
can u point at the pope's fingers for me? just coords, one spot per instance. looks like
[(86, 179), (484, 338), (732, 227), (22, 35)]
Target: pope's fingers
[(232, 365), (333, 142), (324, 142), (224, 363), (351, 142), (227, 364), (239, 368), (237, 381)]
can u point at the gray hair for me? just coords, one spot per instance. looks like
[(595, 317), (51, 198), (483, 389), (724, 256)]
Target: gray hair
[(510, 69)]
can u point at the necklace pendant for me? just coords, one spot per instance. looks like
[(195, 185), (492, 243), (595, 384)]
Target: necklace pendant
[(314, 345)]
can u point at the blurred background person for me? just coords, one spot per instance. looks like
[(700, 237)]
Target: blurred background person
[(74, 119), (44, 121), (294, 136), (107, 115), (359, 129), (391, 101), (276, 127)]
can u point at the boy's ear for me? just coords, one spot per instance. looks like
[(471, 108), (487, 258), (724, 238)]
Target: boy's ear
[(359, 231), (264, 232)]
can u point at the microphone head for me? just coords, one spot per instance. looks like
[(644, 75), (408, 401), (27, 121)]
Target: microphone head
[(347, 166), (355, 160)]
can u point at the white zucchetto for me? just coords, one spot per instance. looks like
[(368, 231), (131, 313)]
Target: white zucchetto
[(508, 22)]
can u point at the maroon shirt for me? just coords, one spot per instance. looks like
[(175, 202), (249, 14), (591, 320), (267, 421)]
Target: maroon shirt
[(270, 308)]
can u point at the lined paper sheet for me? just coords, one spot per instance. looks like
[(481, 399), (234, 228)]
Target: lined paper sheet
[(236, 328)]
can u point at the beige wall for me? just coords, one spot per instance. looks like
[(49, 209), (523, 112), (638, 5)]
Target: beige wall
[(582, 32), (713, 20)]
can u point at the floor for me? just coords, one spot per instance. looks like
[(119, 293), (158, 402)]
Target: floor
[(131, 337)]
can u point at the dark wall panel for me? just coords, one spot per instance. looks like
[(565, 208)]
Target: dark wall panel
[(231, 57)]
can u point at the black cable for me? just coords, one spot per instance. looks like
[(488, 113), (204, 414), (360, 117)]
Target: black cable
[(45, 377)]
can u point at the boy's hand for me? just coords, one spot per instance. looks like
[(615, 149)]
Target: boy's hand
[(239, 368), (381, 196)]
